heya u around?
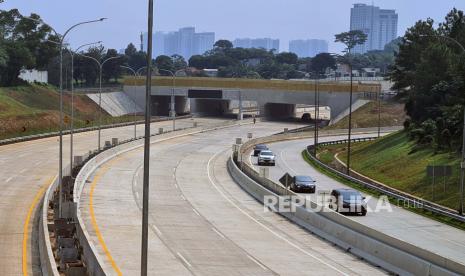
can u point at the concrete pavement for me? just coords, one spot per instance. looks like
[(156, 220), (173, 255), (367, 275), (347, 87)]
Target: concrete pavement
[(431, 235), (201, 222), (25, 169)]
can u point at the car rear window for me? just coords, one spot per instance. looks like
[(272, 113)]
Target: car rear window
[(304, 178)]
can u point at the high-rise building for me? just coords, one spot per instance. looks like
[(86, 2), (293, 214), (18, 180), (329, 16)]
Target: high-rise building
[(185, 42), (378, 24), (265, 43), (203, 42), (308, 48)]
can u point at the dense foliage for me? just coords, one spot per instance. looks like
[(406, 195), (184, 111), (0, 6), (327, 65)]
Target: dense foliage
[(429, 73)]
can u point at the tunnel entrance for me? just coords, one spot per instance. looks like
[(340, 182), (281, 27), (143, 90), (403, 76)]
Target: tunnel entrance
[(161, 105), (209, 107), (279, 111)]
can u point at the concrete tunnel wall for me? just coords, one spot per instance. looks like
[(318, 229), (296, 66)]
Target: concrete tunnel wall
[(337, 101)]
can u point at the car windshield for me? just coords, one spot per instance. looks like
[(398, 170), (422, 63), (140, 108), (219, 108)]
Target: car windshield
[(260, 147), (303, 179), (351, 195), (266, 153)]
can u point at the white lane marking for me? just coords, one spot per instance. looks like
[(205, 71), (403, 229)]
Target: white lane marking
[(183, 198), (184, 259), (176, 185), (195, 211), (23, 155), (257, 262), (38, 163), (9, 179), (261, 224), (286, 164), (157, 230), (218, 232), (137, 194), (23, 171)]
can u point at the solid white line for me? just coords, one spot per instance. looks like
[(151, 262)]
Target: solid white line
[(9, 179), (219, 234), (157, 230), (261, 224), (195, 211), (257, 262), (176, 185), (184, 259), (183, 198)]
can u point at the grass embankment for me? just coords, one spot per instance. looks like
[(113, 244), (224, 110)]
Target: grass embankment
[(399, 162), (392, 114), (34, 109), (422, 212)]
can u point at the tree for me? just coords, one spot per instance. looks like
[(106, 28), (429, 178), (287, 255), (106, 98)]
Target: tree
[(164, 63), (198, 61), (351, 39), (223, 44), (112, 68), (178, 62), (321, 62), (287, 58), (130, 50)]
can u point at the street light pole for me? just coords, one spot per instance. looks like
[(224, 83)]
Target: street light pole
[(173, 96), (71, 145), (100, 65), (146, 180), (60, 162), (135, 91), (350, 117)]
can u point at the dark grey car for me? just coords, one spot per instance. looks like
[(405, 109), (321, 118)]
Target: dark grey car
[(303, 183)]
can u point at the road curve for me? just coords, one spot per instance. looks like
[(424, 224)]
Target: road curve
[(420, 231), (201, 222), (26, 169)]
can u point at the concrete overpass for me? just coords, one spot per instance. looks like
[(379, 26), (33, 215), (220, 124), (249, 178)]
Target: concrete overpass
[(273, 98)]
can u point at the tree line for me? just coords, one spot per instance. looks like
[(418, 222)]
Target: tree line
[(429, 73)]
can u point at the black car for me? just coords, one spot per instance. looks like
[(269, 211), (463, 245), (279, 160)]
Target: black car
[(348, 201), (303, 183), (258, 148)]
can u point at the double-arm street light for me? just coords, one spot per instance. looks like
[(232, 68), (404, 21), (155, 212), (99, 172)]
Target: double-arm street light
[(134, 72), (72, 53), (173, 99), (61, 43), (100, 65), (349, 142), (462, 164)]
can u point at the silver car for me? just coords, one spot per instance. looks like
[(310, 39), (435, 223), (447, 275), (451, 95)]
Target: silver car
[(266, 157)]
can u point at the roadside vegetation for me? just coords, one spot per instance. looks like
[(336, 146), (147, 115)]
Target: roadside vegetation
[(392, 114), (34, 109), (399, 162)]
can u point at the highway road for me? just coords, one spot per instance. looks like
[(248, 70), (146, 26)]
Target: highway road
[(202, 222), (431, 235), (26, 169)]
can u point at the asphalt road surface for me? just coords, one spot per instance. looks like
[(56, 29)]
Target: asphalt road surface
[(201, 221), (431, 235)]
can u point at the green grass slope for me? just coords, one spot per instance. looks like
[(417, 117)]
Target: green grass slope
[(397, 161)]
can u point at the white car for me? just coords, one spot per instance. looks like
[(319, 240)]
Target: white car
[(266, 157)]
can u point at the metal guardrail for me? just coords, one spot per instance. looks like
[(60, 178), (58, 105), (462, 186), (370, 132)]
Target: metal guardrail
[(395, 255), (407, 199), (79, 130)]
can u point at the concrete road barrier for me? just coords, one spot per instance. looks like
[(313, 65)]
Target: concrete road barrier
[(394, 255)]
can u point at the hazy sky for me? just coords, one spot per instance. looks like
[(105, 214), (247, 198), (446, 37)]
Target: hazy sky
[(283, 19)]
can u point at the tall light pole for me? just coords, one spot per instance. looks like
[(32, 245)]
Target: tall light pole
[(135, 91), (462, 164), (173, 99), (60, 162), (146, 180), (71, 142), (100, 65)]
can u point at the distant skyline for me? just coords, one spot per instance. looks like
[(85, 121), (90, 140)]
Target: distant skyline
[(282, 19)]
